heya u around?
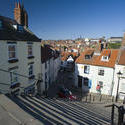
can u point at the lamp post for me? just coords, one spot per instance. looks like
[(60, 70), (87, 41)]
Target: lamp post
[(118, 75)]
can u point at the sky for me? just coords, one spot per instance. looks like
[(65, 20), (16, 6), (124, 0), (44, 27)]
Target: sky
[(70, 19)]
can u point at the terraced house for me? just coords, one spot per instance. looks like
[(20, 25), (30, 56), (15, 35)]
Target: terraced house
[(119, 75), (20, 53), (94, 70), (50, 61)]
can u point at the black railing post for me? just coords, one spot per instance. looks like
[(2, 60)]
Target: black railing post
[(112, 115), (120, 115)]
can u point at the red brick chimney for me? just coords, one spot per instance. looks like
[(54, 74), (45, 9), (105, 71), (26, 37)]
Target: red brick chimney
[(20, 14)]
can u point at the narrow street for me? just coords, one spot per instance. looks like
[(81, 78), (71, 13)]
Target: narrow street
[(66, 79)]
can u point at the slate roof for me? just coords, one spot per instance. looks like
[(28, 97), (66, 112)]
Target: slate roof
[(46, 53), (96, 59), (8, 32)]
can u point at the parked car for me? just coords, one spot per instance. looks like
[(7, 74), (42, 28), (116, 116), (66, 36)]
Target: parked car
[(67, 94)]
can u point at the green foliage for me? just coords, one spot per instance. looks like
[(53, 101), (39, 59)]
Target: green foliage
[(114, 45)]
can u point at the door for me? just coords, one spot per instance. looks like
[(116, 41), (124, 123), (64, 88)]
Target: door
[(80, 81)]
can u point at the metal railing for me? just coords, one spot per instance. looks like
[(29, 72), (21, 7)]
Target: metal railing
[(120, 111)]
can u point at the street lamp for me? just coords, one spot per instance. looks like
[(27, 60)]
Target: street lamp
[(119, 76)]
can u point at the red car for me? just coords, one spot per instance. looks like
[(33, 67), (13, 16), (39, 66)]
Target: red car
[(65, 93)]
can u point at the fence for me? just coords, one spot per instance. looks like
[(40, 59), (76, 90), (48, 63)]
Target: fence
[(91, 97)]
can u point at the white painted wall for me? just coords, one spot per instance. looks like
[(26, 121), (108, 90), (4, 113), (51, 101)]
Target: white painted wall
[(22, 54), (107, 79), (121, 81), (53, 66)]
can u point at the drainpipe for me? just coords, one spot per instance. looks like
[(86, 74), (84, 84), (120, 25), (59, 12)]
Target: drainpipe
[(113, 81)]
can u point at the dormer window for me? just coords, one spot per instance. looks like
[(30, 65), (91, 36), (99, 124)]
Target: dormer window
[(87, 57), (1, 24), (105, 58), (20, 28)]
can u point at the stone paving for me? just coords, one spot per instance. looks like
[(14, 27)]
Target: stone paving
[(24, 110)]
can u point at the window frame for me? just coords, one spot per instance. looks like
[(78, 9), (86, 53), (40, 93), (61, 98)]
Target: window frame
[(1, 24), (45, 64), (20, 28), (15, 51), (30, 70), (13, 75), (100, 83), (30, 45), (86, 83), (101, 73), (86, 69)]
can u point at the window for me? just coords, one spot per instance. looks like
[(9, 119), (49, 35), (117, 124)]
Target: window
[(12, 51), (45, 65), (100, 83), (105, 58), (30, 70), (101, 72), (20, 28), (30, 50), (13, 76), (86, 81), (87, 57), (1, 24), (86, 69)]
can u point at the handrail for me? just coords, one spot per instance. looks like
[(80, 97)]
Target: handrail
[(111, 105)]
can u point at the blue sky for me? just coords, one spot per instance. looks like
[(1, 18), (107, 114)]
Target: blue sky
[(68, 19)]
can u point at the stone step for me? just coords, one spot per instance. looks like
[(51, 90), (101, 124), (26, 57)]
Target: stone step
[(67, 107)]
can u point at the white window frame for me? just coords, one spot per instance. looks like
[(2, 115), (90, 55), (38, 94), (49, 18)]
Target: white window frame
[(100, 83), (30, 45), (88, 69), (101, 70), (13, 76), (12, 51), (30, 70), (105, 58)]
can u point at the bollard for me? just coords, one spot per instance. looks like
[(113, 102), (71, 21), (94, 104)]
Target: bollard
[(86, 98), (90, 98)]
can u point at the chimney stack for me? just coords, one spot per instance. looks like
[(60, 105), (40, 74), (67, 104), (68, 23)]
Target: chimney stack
[(20, 14)]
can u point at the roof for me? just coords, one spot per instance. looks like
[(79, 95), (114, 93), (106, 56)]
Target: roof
[(89, 52), (122, 58), (8, 32), (47, 53), (96, 59), (65, 55)]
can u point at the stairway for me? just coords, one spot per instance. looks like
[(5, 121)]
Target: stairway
[(56, 111)]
